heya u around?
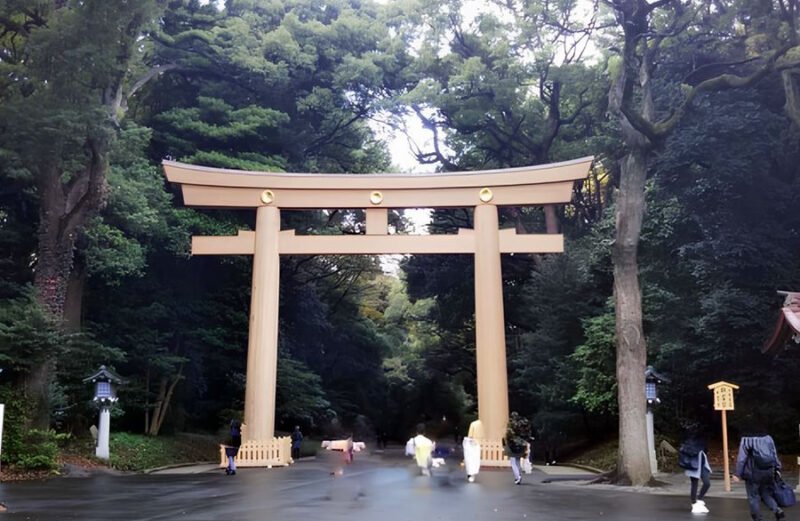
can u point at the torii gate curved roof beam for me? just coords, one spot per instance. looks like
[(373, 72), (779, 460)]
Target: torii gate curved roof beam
[(523, 186)]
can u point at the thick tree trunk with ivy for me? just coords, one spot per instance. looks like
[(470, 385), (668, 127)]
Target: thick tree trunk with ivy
[(64, 210)]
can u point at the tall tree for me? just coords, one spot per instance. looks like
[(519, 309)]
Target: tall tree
[(728, 61), (72, 67)]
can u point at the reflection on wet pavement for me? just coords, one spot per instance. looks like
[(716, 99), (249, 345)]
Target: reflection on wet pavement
[(372, 488)]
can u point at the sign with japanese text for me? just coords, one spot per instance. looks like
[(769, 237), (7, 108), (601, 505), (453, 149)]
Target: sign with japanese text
[(723, 395)]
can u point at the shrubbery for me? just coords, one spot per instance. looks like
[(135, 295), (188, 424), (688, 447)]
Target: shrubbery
[(24, 448), (40, 450)]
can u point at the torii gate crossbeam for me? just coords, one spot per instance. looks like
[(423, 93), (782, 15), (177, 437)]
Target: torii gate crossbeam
[(376, 193)]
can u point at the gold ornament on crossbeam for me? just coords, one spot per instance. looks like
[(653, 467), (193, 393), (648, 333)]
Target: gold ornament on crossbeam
[(267, 196)]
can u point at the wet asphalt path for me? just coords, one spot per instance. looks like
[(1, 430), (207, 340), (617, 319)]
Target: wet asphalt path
[(371, 489)]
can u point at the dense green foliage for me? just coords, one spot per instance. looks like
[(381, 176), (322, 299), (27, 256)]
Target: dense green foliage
[(23, 448), (94, 244)]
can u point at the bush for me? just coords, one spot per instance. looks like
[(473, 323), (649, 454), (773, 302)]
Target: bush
[(24, 448), (40, 450), (137, 452), (16, 416)]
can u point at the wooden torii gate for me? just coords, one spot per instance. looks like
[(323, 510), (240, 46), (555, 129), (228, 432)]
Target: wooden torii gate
[(376, 193)]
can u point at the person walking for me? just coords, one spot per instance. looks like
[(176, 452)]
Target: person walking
[(297, 440), (757, 463), (422, 447), (232, 448), (694, 458), (517, 434), (472, 450)]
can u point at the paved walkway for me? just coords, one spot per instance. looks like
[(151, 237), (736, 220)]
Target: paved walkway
[(668, 484), (378, 487)]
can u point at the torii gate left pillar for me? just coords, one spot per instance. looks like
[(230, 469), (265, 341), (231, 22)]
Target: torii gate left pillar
[(262, 343), (267, 193)]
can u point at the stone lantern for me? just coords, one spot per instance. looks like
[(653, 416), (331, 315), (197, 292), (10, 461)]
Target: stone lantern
[(105, 395), (651, 382)]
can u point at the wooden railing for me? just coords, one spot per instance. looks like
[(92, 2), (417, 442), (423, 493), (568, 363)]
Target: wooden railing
[(276, 452), (492, 454)]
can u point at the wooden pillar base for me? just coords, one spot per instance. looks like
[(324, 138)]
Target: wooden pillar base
[(493, 454)]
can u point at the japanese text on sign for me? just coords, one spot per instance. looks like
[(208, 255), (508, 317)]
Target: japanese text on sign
[(723, 399)]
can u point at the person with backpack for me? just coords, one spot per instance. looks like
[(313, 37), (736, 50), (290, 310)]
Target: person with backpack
[(757, 463), (516, 443), (297, 441), (232, 448), (693, 459)]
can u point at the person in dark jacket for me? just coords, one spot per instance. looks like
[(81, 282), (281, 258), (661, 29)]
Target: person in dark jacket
[(232, 448), (518, 433), (757, 463), (297, 440), (695, 446)]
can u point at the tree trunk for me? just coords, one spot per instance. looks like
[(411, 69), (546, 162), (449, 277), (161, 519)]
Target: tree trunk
[(53, 263), (633, 463), (551, 218), (73, 304), (165, 392), (633, 460), (791, 87), (64, 209), (54, 254), (159, 408), (37, 387), (147, 400)]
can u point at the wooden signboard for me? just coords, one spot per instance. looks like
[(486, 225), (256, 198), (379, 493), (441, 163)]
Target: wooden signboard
[(723, 401), (723, 395)]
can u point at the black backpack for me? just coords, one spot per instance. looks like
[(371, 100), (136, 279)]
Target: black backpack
[(687, 456), (236, 435), (761, 461)]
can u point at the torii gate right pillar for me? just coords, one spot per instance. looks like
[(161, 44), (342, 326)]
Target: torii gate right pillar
[(262, 349), (490, 338)]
